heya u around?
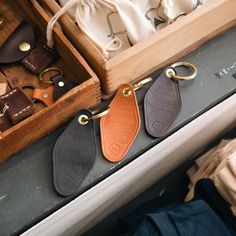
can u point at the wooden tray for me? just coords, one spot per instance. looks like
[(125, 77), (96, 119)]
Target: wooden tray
[(85, 95), (164, 47)]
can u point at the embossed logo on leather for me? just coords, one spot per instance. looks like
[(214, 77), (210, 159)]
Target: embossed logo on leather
[(120, 127)]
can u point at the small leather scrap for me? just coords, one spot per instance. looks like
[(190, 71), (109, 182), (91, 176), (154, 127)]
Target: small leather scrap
[(16, 81), (44, 95), (162, 104), (3, 88), (18, 44), (73, 155), (4, 124), (20, 106), (61, 86), (121, 125), (39, 59)]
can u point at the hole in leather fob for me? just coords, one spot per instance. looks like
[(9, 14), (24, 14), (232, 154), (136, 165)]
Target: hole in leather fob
[(162, 104), (73, 155), (121, 125)]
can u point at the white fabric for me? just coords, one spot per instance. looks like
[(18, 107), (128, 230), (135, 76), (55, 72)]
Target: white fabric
[(153, 11), (174, 8), (99, 19)]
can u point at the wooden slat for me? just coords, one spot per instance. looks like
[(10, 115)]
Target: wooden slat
[(75, 68), (33, 128), (166, 46)]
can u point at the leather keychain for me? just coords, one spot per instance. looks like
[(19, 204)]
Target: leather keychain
[(162, 102), (74, 152), (60, 84), (44, 95), (120, 127)]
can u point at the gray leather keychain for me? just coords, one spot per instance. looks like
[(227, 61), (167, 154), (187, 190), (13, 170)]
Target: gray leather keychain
[(162, 102), (74, 153)]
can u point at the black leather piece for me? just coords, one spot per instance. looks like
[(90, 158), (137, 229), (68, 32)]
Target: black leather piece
[(73, 155), (61, 86), (9, 51), (162, 104)]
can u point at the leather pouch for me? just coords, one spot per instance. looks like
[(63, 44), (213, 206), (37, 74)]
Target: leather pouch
[(18, 44)]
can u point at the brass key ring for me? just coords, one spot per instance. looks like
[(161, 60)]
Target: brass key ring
[(83, 119), (171, 73), (47, 70), (137, 86), (2, 18)]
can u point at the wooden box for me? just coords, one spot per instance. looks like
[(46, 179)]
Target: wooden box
[(86, 94), (164, 47)]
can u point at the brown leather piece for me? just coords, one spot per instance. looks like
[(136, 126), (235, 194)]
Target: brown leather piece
[(17, 76), (3, 88), (4, 124), (27, 81), (120, 126), (162, 104), (20, 106), (39, 59), (44, 95), (10, 51)]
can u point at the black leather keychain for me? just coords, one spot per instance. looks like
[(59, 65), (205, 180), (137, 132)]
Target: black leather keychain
[(61, 85), (74, 152), (162, 102)]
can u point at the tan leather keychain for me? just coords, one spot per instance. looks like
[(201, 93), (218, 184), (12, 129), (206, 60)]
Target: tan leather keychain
[(120, 127)]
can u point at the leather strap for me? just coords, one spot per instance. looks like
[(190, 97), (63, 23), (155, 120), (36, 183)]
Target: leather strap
[(121, 125), (20, 106), (73, 155), (61, 86), (44, 95), (18, 44), (162, 104), (39, 59)]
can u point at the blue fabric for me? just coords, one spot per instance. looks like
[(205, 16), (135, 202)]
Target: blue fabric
[(206, 190), (195, 218)]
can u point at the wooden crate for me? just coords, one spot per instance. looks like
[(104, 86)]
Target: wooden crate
[(85, 95), (164, 47)]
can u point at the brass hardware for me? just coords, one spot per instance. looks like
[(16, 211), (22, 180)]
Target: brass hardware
[(83, 119), (24, 46), (171, 73), (61, 84), (48, 70), (127, 92), (2, 18), (44, 95)]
